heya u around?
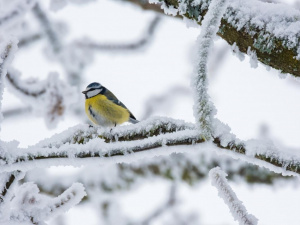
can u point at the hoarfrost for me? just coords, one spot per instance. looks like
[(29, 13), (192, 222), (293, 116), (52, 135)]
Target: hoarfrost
[(8, 47), (236, 51), (253, 58), (204, 110), (49, 98), (237, 209)]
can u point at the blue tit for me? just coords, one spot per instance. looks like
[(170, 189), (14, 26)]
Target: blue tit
[(103, 108)]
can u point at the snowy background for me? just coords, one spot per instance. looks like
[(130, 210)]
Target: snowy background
[(254, 102)]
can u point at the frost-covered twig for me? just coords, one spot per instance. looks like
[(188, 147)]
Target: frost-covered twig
[(47, 97), (8, 113), (31, 88), (203, 109), (25, 41), (14, 12), (7, 180), (48, 28), (71, 61), (147, 37), (7, 50), (237, 209), (163, 101), (165, 207), (30, 206)]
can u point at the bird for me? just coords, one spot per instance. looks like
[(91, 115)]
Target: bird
[(103, 108)]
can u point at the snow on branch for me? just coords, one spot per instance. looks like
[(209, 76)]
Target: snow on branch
[(7, 180), (72, 59), (47, 98), (82, 145), (48, 28), (271, 30), (237, 209), (28, 205), (14, 12), (204, 110), (188, 168), (7, 50)]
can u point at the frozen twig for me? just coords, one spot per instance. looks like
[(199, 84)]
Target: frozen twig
[(26, 88), (237, 209), (46, 97), (60, 53), (48, 28), (25, 41), (28, 205), (17, 111), (165, 207), (17, 11), (164, 100), (121, 47), (7, 51), (203, 109), (8, 180)]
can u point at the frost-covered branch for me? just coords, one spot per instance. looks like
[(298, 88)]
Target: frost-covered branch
[(14, 12), (25, 41), (146, 38), (16, 112), (7, 180), (72, 60), (237, 209), (28, 205), (204, 110), (47, 97), (165, 100), (165, 207), (188, 168), (80, 145), (271, 30), (48, 28)]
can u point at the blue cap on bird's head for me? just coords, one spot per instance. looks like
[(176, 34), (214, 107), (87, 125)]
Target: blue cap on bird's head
[(93, 89), (94, 85)]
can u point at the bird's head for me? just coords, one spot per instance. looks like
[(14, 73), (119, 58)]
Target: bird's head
[(93, 89)]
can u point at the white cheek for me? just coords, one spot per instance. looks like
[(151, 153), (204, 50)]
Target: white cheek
[(93, 93)]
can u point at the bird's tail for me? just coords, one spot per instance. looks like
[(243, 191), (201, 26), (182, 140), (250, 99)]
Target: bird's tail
[(131, 120)]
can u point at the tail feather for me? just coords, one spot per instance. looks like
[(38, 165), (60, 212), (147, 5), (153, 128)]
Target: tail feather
[(131, 120)]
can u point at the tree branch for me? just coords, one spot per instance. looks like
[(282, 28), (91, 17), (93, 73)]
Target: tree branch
[(273, 48), (146, 38), (75, 145), (8, 179), (237, 209)]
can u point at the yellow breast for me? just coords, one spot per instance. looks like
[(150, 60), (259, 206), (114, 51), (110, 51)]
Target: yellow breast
[(102, 111)]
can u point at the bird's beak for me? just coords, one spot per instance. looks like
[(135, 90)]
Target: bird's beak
[(84, 92)]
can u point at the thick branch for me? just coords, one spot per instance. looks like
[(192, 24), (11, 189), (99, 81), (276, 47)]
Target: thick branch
[(272, 48), (94, 145), (188, 168)]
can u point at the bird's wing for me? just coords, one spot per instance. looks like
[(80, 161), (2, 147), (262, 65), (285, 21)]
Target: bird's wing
[(110, 96)]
